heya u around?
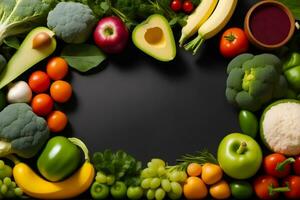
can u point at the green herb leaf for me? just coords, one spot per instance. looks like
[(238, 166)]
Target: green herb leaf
[(200, 157), (294, 6), (12, 42), (83, 57), (120, 164)]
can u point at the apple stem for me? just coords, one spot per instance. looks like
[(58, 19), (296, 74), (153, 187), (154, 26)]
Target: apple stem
[(242, 148), (108, 31)]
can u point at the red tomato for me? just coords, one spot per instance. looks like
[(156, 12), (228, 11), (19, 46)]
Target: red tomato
[(42, 104), (187, 6), (57, 121), (296, 165), (233, 42), (175, 5), (263, 186), (39, 82), (277, 165), (293, 182), (57, 68), (61, 91)]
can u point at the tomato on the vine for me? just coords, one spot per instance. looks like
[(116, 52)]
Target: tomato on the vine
[(188, 6), (277, 165), (233, 42), (39, 81), (296, 165), (175, 5), (293, 182), (42, 104), (266, 187)]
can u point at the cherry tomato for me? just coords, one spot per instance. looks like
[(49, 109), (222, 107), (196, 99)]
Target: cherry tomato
[(175, 5), (296, 165), (42, 104), (57, 68), (57, 121), (188, 6), (277, 165), (233, 42), (263, 187), (293, 182), (61, 91), (39, 82)]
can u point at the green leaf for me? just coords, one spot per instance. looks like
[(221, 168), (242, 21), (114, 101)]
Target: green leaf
[(83, 57), (12, 42), (294, 6)]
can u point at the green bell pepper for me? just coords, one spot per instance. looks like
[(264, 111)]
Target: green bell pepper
[(60, 158), (291, 68), (241, 190)]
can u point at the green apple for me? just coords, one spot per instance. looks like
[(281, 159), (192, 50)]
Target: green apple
[(135, 192), (239, 156), (118, 190), (99, 191)]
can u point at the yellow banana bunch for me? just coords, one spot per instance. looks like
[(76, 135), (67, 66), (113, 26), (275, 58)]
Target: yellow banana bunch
[(215, 23), (197, 18), (37, 187)]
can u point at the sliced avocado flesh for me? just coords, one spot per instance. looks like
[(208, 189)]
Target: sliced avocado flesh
[(155, 38), (27, 56)]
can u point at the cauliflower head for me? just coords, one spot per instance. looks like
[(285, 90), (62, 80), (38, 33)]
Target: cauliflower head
[(72, 22)]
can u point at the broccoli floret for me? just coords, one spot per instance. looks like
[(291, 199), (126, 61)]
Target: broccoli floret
[(72, 22), (2, 63), (21, 131), (254, 80)]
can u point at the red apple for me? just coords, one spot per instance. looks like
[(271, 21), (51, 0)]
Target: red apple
[(111, 34)]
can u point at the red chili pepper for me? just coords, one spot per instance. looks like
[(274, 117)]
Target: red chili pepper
[(266, 187), (277, 165), (293, 182), (296, 165)]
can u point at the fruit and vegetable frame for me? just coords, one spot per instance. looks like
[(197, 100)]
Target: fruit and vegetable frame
[(54, 53)]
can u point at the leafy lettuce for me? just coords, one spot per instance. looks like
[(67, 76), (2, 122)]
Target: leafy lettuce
[(20, 16)]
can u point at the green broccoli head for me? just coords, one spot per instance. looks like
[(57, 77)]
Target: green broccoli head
[(254, 80), (21, 131), (72, 22)]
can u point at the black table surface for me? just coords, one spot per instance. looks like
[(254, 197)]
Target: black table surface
[(152, 109), (155, 109)]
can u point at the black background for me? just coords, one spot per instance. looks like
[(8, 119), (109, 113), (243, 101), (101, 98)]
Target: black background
[(152, 109), (155, 109)]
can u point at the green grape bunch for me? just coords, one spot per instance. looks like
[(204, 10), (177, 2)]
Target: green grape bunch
[(159, 182), (8, 188)]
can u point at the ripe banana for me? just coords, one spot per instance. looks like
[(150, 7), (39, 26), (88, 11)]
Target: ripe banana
[(35, 186), (197, 18), (215, 23)]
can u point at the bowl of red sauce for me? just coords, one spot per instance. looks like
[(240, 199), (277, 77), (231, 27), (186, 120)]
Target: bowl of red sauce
[(269, 24)]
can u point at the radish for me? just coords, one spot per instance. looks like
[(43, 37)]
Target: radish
[(111, 35)]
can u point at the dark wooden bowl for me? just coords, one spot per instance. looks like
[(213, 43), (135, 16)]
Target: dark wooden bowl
[(258, 43)]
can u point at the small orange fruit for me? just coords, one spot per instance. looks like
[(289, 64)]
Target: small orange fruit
[(194, 169), (194, 188)]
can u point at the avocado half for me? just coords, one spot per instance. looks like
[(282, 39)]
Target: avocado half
[(262, 135), (154, 37), (27, 56)]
